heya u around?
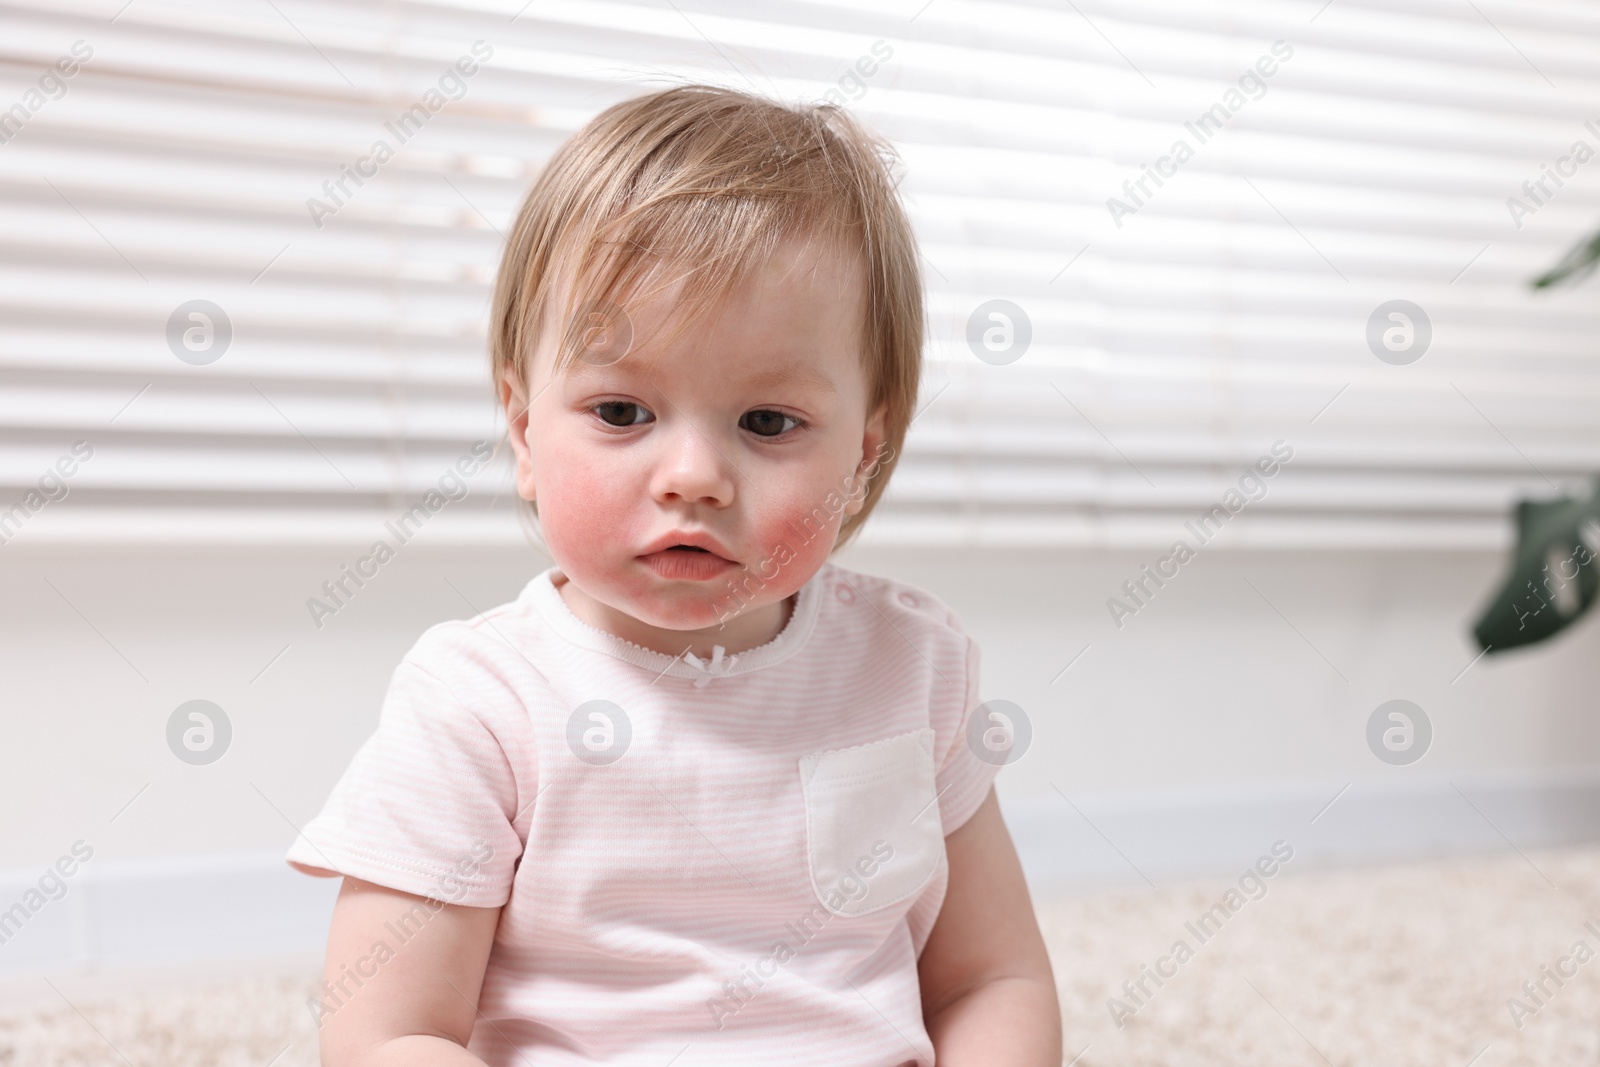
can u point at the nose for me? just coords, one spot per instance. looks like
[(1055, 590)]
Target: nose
[(691, 468)]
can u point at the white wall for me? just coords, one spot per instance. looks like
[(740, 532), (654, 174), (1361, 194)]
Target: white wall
[(1207, 686), (1208, 698)]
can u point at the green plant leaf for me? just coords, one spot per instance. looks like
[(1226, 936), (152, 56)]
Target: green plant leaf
[(1554, 577), (1577, 264)]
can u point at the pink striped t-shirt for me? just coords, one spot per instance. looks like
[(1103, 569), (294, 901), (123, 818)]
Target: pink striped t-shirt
[(728, 861)]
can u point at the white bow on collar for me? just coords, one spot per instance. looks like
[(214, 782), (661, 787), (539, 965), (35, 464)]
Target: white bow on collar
[(717, 664)]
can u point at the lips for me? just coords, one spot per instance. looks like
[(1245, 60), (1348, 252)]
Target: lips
[(687, 539), (687, 555)]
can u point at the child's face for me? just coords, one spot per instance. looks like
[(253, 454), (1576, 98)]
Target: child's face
[(744, 432)]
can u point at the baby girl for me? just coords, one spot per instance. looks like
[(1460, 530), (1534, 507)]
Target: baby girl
[(698, 795)]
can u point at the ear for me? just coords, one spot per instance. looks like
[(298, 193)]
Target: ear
[(874, 453), (514, 399)]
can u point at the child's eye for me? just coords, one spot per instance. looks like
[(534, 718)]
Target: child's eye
[(621, 413), (768, 423)]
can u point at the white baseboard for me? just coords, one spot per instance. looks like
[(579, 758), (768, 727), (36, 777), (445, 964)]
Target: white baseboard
[(1086, 842), (172, 910), (120, 915)]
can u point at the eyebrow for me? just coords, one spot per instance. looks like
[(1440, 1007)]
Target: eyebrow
[(788, 374), (792, 374)]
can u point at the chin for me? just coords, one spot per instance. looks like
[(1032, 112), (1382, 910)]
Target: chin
[(656, 602), (699, 609), (684, 611)]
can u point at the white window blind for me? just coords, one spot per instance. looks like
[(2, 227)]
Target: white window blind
[(1176, 334)]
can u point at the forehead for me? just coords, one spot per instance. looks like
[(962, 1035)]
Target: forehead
[(795, 319), (806, 284)]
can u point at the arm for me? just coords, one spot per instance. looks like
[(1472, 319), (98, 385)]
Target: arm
[(988, 996), (417, 998)]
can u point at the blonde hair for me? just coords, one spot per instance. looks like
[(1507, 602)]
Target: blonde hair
[(710, 181)]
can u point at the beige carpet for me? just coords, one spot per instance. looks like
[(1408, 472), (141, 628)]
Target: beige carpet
[(1393, 965)]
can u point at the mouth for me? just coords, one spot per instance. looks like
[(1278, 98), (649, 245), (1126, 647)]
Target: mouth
[(687, 563)]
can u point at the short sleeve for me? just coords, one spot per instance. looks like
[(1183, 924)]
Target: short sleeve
[(963, 780), (429, 803)]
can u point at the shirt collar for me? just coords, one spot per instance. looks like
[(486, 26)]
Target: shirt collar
[(553, 609)]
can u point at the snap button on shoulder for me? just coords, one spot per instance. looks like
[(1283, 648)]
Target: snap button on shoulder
[(908, 600)]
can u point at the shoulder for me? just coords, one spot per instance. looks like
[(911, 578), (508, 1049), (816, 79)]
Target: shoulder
[(897, 616), (900, 603), (488, 663)]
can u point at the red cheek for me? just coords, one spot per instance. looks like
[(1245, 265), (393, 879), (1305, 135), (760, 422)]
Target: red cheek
[(587, 510), (800, 532)]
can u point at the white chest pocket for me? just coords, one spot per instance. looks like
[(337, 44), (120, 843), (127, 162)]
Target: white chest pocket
[(872, 822)]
